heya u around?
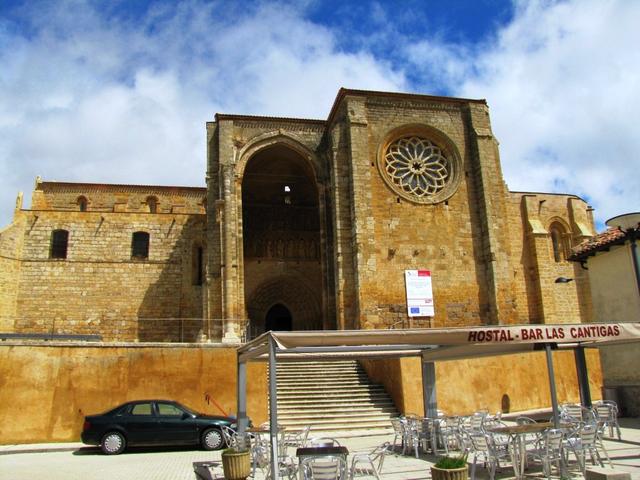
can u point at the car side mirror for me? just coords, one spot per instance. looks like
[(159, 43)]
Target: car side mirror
[(185, 415)]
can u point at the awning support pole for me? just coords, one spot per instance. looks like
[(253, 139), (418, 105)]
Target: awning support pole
[(429, 389), (243, 420), (583, 376), (552, 386), (273, 408)]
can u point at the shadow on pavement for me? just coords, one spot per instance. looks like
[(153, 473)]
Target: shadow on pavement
[(137, 450)]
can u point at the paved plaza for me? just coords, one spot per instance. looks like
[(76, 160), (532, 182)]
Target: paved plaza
[(78, 462)]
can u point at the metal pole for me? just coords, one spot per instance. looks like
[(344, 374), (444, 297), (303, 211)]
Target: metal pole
[(633, 233), (552, 386), (273, 408), (583, 377), (243, 420), (429, 389)]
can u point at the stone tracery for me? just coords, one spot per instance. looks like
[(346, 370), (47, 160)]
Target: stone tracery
[(417, 166)]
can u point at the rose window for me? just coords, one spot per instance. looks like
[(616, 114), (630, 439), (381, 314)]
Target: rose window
[(417, 167)]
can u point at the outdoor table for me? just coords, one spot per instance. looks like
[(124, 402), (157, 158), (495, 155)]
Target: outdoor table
[(310, 452), (516, 434)]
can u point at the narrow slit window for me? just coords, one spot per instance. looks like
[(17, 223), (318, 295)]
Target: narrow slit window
[(140, 245), (152, 203), (59, 244), (197, 265), (558, 242), (82, 203)]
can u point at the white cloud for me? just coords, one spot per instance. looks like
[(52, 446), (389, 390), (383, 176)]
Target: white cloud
[(88, 97), (562, 81)]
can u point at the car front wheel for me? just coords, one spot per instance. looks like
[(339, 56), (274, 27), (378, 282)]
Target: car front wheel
[(113, 443), (212, 439)]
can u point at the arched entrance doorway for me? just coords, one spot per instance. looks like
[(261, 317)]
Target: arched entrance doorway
[(278, 319), (281, 240)]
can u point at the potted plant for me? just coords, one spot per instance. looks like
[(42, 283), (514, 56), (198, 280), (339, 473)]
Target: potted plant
[(236, 463), (451, 468)]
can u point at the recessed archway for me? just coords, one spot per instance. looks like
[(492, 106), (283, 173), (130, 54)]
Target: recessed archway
[(281, 234)]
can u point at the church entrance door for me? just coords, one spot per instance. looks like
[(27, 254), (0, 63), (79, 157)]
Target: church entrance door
[(278, 319)]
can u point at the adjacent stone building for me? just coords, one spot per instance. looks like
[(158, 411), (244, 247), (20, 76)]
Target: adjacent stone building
[(614, 276), (303, 224)]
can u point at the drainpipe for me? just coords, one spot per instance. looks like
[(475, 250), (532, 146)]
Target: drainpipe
[(633, 234)]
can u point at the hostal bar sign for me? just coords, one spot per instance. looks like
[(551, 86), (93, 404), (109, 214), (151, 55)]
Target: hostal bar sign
[(554, 334)]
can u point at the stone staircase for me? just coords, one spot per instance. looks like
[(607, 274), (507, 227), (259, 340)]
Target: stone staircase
[(332, 396)]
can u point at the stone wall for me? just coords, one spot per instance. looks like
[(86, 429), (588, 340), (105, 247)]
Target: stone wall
[(100, 288), (506, 383), (10, 243), (45, 391), (545, 300)]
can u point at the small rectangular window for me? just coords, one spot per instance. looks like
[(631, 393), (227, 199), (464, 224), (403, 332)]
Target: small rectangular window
[(140, 245), (59, 244)]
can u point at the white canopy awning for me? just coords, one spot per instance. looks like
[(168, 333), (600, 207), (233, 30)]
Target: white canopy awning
[(432, 345), (438, 344)]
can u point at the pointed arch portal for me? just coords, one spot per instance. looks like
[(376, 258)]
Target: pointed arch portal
[(281, 232)]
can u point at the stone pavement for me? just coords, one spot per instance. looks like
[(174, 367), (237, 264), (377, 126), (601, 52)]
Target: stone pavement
[(73, 461)]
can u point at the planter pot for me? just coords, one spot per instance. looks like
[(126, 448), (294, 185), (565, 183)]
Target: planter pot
[(236, 466), (450, 474)]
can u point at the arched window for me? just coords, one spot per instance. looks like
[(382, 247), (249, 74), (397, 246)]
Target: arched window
[(152, 203), (82, 203), (558, 241), (140, 245), (59, 244), (197, 264)]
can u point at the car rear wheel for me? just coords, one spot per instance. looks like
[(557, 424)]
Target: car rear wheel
[(113, 443), (212, 439)]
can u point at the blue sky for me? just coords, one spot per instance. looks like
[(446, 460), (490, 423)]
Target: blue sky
[(119, 91)]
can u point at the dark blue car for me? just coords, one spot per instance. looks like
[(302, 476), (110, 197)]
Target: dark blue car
[(154, 422)]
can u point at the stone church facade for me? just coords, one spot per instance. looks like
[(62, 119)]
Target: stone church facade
[(303, 224)]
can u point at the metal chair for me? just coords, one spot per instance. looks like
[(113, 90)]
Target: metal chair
[(583, 441), (412, 435), (484, 448), (230, 436), (607, 417), (548, 450), (328, 467), (296, 439), (365, 463), (398, 432), (324, 442)]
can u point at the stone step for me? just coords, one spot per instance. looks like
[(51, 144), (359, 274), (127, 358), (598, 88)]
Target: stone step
[(357, 387), (335, 396), (321, 375), (337, 424), (283, 396), (311, 405), (330, 408), (337, 415)]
